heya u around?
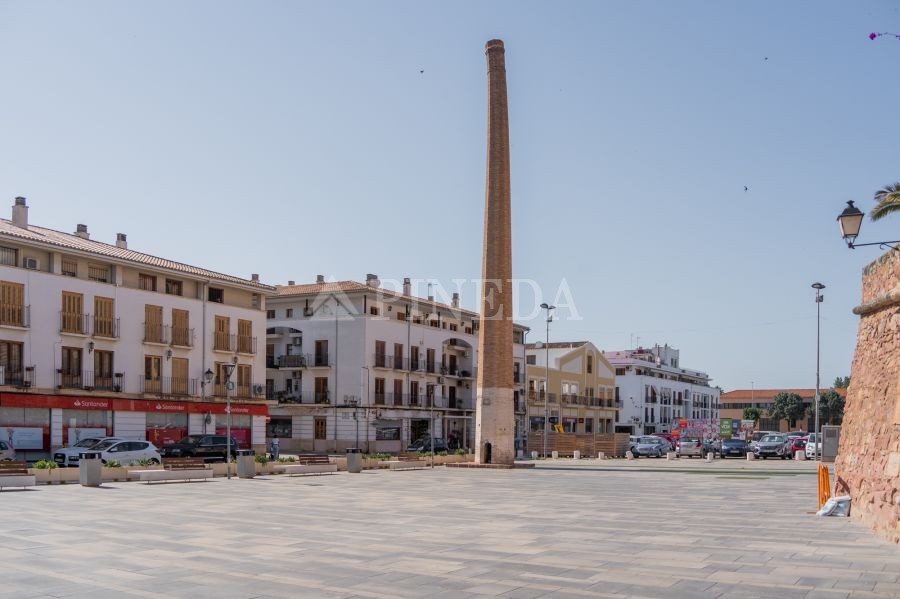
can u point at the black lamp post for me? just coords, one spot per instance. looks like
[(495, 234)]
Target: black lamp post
[(850, 221), (227, 369), (548, 309)]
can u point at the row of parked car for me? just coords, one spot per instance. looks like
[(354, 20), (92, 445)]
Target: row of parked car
[(209, 447), (763, 444)]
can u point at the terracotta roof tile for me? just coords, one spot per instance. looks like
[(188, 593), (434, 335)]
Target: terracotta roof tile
[(743, 395), (68, 240)]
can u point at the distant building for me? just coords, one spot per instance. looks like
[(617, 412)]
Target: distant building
[(734, 402), (351, 364), (580, 389), (655, 390)]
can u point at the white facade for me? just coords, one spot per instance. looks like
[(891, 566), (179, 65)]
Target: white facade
[(655, 390), (77, 352), (347, 371)]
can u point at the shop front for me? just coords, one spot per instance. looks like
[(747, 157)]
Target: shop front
[(34, 424)]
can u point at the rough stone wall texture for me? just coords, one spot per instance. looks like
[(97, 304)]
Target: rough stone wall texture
[(494, 414), (868, 462)]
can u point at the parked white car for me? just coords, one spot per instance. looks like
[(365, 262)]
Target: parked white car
[(126, 452), (812, 443), (689, 446), (68, 456), (6, 452)]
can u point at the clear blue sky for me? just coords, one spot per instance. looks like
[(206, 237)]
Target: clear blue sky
[(294, 139)]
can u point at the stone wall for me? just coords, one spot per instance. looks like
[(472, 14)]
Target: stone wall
[(868, 463)]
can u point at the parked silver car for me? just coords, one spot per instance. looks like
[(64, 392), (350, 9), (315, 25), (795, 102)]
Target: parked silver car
[(689, 447), (650, 447), (774, 446)]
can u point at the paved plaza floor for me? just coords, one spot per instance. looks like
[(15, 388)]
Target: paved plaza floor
[(591, 529)]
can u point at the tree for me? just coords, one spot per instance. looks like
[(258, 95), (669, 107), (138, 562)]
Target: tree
[(787, 406), (831, 408), (752, 413), (888, 198), (842, 382)]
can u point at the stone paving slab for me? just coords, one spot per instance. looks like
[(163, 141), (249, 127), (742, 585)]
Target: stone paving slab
[(559, 530)]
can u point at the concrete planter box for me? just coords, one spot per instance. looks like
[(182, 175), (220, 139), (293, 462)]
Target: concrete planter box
[(113, 474), (56, 475), (41, 476)]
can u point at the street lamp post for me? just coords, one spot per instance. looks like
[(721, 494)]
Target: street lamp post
[(850, 221), (548, 308), (819, 297), (228, 369)]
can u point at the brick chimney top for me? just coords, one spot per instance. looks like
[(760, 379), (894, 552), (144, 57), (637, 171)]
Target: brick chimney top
[(20, 213), (320, 279), (81, 231), (493, 45), (122, 241), (254, 277)]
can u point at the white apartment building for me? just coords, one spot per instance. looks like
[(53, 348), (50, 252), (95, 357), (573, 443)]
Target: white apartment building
[(99, 339), (354, 365), (655, 390)]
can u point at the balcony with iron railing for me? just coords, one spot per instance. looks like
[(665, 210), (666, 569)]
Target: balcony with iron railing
[(246, 344), (156, 333), (17, 376), (321, 397), (382, 361), (74, 323), (106, 327), (224, 342), (182, 337), (238, 391), (15, 315), (102, 381), (271, 362), (292, 361), (319, 360), (430, 367), (287, 398), (169, 386)]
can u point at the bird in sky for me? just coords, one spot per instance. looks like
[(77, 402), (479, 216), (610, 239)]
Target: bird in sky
[(422, 71), (746, 188)]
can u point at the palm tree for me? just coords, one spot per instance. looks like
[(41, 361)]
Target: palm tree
[(888, 199)]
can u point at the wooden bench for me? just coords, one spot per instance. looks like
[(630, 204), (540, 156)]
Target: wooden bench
[(308, 464), (404, 463), (15, 474), (177, 469)]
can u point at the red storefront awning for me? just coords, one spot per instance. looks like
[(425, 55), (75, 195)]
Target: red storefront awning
[(74, 402)]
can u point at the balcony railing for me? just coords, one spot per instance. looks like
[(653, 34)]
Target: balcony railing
[(156, 333), (106, 327), (399, 363), (18, 377), (383, 361), (284, 397), (430, 367), (94, 381), (246, 344), (292, 361), (74, 322), (15, 315), (320, 359), (379, 399), (271, 362), (182, 337), (224, 342), (174, 386), (321, 397), (69, 380)]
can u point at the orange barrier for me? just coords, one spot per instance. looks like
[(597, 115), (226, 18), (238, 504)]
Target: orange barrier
[(824, 485)]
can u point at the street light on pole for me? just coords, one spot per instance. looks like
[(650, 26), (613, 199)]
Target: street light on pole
[(819, 298), (227, 370), (548, 308)]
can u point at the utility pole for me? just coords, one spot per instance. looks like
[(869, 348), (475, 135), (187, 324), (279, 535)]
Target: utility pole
[(819, 298)]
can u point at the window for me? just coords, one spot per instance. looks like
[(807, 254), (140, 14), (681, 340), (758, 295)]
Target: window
[(12, 304), (289, 313), (398, 356), (245, 337), (380, 357), (401, 315), (398, 392), (152, 372), (454, 327), (215, 295), (179, 384), (69, 268), (321, 389), (244, 380), (70, 373), (530, 360), (181, 331), (98, 273), (590, 364), (414, 393), (321, 429), (104, 317), (413, 358), (174, 287), (146, 282), (9, 256), (222, 336), (270, 314), (72, 314), (379, 392), (11, 362), (103, 370), (321, 356), (589, 425), (373, 310), (154, 331)]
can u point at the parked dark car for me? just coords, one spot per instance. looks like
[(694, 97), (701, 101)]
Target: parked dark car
[(731, 448), (209, 447), (424, 444)]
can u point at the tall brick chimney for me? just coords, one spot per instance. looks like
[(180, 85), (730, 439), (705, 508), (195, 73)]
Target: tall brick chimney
[(495, 423), (20, 213)]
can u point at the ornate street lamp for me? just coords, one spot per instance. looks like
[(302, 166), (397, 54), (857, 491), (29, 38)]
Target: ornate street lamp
[(548, 308), (227, 370), (850, 221)]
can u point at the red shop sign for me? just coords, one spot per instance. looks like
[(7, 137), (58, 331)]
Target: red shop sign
[(27, 400)]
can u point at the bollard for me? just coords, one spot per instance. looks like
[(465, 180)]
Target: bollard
[(671, 455), (533, 455), (576, 455), (751, 456), (800, 456), (554, 455), (709, 458), (601, 455), (629, 455)]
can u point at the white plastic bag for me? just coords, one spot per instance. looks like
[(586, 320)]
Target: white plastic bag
[(836, 506)]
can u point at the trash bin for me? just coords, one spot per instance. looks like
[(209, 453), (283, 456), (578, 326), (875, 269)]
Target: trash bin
[(246, 463), (354, 460), (90, 469)]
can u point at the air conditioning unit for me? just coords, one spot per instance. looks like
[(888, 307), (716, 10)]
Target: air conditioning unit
[(258, 389), (31, 263), (467, 354), (440, 380)]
